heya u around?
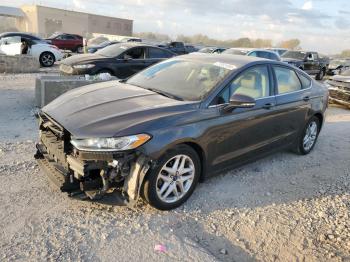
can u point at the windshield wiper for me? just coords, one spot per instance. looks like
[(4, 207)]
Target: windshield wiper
[(163, 93)]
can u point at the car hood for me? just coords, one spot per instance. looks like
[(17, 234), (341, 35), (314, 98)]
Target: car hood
[(341, 78), (114, 109), (83, 58), (291, 60)]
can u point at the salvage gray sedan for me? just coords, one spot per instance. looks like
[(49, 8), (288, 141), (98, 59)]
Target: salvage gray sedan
[(176, 123)]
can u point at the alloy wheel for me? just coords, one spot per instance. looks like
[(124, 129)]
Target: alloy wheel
[(310, 136), (175, 178), (47, 59)]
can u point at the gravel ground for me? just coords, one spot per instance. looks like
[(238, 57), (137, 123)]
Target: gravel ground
[(282, 208)]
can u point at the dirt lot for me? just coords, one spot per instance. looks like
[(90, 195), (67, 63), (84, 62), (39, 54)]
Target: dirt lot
[(282, 208)]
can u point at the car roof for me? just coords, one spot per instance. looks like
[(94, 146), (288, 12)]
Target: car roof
[(19, 34), (236, 60)]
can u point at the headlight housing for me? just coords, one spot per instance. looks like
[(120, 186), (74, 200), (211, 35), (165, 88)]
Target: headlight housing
[(87, 66), (110, 144)]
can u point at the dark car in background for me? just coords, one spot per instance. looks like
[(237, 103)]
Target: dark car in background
[(70, 42), (212, 50), (253, 52), (121, 60), (337, 66), (93, 48), (310, 62), (180, 121), (175, 47), (191, 48)]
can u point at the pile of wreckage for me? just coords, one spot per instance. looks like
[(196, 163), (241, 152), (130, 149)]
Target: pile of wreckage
[(339, 89)]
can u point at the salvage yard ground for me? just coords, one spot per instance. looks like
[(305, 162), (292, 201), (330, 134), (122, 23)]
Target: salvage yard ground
[(282, 208)]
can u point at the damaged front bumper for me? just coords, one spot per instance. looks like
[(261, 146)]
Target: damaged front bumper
[(88, 174)]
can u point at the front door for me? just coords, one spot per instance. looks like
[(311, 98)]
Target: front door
[(244, 133), (130, 62)]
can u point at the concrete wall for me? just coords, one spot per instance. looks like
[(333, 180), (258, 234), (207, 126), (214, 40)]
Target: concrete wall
[(18, 64), (47, 88), (46, 20)]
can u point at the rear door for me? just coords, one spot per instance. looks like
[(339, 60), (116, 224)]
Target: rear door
[(11, 45), (293, 100)]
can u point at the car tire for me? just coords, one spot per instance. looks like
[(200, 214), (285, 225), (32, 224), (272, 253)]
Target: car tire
[(79, 49), (165, 187), (47, 59), (320, 75), (308, 138)]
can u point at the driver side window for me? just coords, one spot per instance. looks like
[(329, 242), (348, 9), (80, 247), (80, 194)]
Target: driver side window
[(135, 53), (253, 82)]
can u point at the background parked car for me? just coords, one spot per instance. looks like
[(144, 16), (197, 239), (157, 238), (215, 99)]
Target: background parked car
[(262, 53), (191, 48), (93, 48), (337, 66), (175, 47), (212, 50), (13, 43), (131, 39), (70, 42), (280, 51), (310, 62), (121, 60)]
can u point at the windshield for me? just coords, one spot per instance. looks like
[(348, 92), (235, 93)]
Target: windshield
[(235, 51), (184, 79), (294, 54), (112, 50)]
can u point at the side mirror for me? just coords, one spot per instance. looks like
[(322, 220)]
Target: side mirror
[(240, 101)]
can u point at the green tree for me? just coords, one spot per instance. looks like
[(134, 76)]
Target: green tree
[(292, 44)]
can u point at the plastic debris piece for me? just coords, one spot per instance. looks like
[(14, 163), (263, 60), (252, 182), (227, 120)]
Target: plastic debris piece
[(160, 248)]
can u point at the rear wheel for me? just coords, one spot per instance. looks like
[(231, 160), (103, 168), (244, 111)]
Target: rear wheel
[(79, 49), (47, 59), (172, 181), (308, 138)]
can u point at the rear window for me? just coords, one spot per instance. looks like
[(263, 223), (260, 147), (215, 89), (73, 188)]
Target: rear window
[(305, 81), (158, 53), (287, 80)]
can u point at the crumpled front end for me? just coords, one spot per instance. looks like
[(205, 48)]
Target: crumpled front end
[(339, 92), (88, 174)]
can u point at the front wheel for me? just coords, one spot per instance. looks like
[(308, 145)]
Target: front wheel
[(172, 181), (308, 137), (47, 59)]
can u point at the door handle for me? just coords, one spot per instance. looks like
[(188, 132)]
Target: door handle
[(268, 105), (306, 98)]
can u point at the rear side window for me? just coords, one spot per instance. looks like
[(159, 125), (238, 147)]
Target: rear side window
[(287, 80), (158, 53), (305, 81)]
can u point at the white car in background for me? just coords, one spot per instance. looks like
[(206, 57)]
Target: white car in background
[(47, 54)]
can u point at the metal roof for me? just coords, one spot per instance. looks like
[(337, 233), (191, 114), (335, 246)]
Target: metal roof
[(11, 11)]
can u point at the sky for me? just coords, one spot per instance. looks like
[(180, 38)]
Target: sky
[(321, 25)]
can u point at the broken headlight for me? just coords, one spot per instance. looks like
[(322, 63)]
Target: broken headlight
[(110, 144)]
